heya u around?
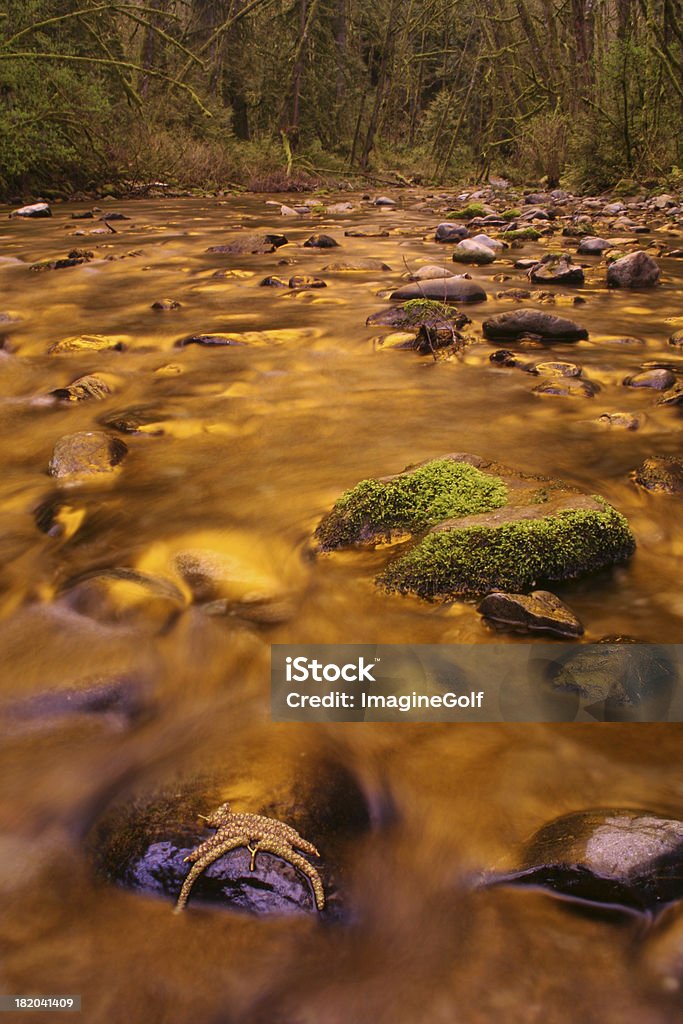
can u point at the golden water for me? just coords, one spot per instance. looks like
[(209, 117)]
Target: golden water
[(248, 447)]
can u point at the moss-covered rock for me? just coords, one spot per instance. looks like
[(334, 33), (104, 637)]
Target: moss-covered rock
[(409, 502), (515, 550), (485, 527)]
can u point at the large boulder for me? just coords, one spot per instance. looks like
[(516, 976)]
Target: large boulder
[(532, 323), (637, 270), (480, 527), (449, 289)]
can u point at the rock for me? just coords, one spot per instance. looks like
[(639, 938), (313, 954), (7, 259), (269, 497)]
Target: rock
[(525, 264), (165, 304), (209, 340), (430, 273), (357, 265), (539, 611), (612, 856), (428, 339), (674, 397), (273, 282), (659, 379), (339, 208), (532, 323), (471, 252), (288, 211), (490, 528), (147, 419), (612, 209), (593, 246), (566, 388), (556, 369), (87, 343), (73, 259), (91, 386), (241, 245), (625, 420), (663, 201), (417, 313), (384, 201), (125, 597), (321, 242), (677, 339), (302, 281), (83, 215), (503, 357), (86, 453), (637, 270), (493, 244), (450, 232), (113, 215), (556, 269), (35, 210), (516, 294), (451, 289), (661, 474), (535, 213)]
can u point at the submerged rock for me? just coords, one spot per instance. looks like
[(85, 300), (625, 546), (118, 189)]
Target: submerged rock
[(539, 611), (86, 453), (532, 323), (87, 343), (661, 474), (91, 386), (566, 387), (659, 379), (353, 266), (209, 340), (619, 857), (249, 245), (489, 528), (450, 289), (637, 270), (625, 420)]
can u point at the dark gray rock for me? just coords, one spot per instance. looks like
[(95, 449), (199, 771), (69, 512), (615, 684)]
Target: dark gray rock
[(384, 201), (450, 289), (321, 242), (637, 270), (592, 245), (164, 305), (86, 453), (532, 323), (450, 232), (114, 215), (539, 611), (243, 245), (273, 282), (209, 341), (554, 269)]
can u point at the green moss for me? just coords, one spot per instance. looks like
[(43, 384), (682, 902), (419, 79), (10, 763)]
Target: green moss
[(412, 501), (511, 214), (514, 556), (421, 310), (531, 234), (473, 210)]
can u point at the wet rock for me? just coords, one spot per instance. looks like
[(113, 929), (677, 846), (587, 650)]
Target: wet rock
[(503, 357), (209, 341), (450, 232), (339, 208), (431, 273), (142, 844), (91, 386), (539, 611), (556, 269), (245, 245), (74, 259), (592, 245), (57, 517), (117, 703), (450, 289), (302, 281), (676, 339), (493, 244), (674, 396), (125, 597), (273, 282), (661, 474), (624, 420), (34, 210), (637, 270), (566, 388), (556, 369), (490, 528), (532, 323), (357, 265), (617, 857), (525, 264), (137, 419), (114, 215), (384, 201), (516, 294), (87, 343), (86, 453), (321, 242), (471, 252), (360, 233), (83, 215), (658, 379), (165, 304)]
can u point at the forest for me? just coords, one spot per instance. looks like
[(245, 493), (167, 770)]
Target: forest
[(112, 95)]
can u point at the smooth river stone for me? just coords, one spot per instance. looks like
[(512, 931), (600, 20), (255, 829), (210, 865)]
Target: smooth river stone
[(86, 453), (532, 323), (659, 379), (450, 289), (540, 611)]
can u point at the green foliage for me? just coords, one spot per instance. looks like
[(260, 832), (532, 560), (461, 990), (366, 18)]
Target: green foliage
[(421, 310), (514, 556), (411, 501)]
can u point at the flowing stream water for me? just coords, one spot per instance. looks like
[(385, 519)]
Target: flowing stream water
[(240, 450)]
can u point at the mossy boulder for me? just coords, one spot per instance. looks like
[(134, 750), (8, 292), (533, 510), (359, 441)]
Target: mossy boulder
[(481, 526)]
